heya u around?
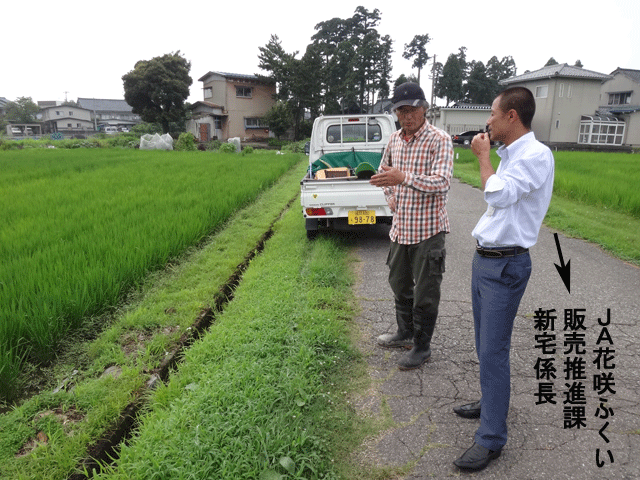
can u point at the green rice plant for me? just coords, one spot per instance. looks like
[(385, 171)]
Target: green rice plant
[(607, 180), (603, 179), (595, 197), (79, 228)]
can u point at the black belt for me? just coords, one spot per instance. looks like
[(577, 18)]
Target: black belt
[(499, 252)]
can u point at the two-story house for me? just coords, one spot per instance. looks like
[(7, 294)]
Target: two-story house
[(233, 106), (619, 106), (67, 119), (564, 94), (112, 113)]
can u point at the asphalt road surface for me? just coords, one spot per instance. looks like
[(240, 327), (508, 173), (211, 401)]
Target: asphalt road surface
[(578, 437)]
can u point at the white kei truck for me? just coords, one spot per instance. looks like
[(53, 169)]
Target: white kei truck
[(344, 152)]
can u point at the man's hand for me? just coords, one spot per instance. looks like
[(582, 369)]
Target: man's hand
[(481, 145), (388, 178), (481, 148)]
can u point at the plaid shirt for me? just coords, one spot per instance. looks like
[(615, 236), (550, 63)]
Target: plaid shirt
[(427, 161)]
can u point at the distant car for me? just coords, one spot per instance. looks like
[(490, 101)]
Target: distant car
[(111, 130), (16, 131), (124, 130), (465, 138)]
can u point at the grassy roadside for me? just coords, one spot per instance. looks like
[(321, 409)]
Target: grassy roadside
[(263, 395), (616, 232)]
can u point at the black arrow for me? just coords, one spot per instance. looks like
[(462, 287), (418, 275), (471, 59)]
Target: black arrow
[(563, 270)]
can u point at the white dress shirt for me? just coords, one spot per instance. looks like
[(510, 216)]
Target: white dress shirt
[(518, 195)]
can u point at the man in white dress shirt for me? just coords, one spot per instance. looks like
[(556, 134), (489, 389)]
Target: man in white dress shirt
[(517, 195)]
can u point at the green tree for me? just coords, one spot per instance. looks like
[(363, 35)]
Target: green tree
[(278, 118), (464, 65), (416, 50), (578, 64), (551, 61), (498, 70), (479, 87), (403, 79), (23, 110), (449, 84), (345, 67), (157, 89), (357, 60)]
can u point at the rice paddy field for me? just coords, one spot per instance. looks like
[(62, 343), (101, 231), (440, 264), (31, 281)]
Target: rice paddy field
[(79, 228), (595, 197), (600, 179)]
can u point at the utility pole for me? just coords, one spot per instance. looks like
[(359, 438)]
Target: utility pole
[(433, 83)]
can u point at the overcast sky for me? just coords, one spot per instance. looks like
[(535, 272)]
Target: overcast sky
[(58, 50)]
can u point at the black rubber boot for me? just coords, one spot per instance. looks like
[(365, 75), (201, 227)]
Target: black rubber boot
[(421, 351), (404, 336)]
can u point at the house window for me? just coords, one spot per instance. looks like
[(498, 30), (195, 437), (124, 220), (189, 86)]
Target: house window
[(542, 91), (557, 124), (243, 92), (208, 92), (569, 91), (58, 112), (601, 130), (621, 98), (561, 90), (217, 123), (254, 122), (70, 113)]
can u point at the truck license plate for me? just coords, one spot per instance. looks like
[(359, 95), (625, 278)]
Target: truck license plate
[(362, 217)]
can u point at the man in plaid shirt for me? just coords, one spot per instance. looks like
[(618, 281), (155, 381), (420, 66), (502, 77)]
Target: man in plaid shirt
[(415, 173)]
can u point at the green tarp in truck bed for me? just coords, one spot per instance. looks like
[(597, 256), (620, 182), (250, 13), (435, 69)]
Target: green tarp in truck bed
[(356, 161)]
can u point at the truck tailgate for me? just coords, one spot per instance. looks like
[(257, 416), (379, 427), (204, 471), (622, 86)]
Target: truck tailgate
[(339, 197)]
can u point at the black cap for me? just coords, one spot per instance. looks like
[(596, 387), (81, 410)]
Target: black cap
[(409, 93)]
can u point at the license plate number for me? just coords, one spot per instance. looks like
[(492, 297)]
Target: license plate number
[(362, 217)]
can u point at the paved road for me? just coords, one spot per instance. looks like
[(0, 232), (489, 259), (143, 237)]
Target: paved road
[(428, 436)]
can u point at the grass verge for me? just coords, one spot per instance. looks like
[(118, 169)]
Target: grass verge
[(263, 394)]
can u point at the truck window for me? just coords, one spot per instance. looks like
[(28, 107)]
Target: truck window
[(354, 133)]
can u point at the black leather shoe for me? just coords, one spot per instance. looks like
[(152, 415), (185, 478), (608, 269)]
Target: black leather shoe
[(470, 410), (414, 358), (476, 458)]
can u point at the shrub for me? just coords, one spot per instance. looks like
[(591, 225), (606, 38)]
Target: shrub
[(227, 148), (295, 147), (276, 142), (186, 142), (214, 145), (247, 150)]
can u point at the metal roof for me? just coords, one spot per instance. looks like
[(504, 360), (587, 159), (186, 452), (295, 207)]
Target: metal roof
[(619, 109), (104, 105), (628, 72), (467, 106), (561, 70), (239, 76), (600, 119)]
